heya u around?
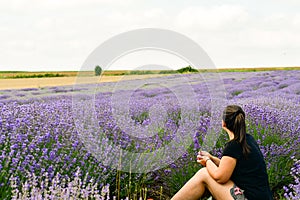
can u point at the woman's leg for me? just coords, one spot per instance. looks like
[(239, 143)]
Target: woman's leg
[(195, 187)]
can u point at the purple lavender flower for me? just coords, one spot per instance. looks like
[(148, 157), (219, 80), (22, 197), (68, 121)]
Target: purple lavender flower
[(38, 134)]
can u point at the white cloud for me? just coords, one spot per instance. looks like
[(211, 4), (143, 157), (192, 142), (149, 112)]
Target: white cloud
[(63, 32), (281, 21), (155, 17), (279, 30), (296, 21), (25, 5), (212, 18), (268, 38)]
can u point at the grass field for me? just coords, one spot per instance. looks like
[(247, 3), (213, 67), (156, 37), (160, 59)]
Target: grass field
[(61, 81), (45, 74), (25, 79), (41, 74)]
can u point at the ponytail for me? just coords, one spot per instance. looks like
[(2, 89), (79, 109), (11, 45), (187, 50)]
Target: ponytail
[(239, 130), (234, 117)]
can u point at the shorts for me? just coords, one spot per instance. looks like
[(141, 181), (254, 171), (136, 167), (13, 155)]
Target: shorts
[(237, 193)]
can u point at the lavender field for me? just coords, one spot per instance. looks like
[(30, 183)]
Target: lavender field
[(45, 155)]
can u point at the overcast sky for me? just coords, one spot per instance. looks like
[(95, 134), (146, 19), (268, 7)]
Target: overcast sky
[(56, 35)]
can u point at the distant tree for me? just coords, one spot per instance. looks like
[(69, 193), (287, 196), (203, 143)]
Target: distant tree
[(98, 70), (187, 69)]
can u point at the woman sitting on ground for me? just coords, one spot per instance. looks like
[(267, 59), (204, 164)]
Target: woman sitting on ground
[(239, 174)]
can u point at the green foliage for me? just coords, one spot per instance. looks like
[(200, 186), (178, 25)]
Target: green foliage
[(140, 72), (168, 72), (222, 140), (98, 70), (5, 190), (278, 162), (132, 185), (279, 171), (187, 69), (281, 86), (141, 117), (235, 93), (175, 116), (46, 75), (175, 178)]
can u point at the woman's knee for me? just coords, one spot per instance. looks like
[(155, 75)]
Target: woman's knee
[(203, 171), (202, 174)]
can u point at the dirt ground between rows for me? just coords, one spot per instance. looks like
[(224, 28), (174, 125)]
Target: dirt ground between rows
[(61, 81)]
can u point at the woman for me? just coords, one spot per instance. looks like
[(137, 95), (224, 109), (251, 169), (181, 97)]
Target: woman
[(239, 174)]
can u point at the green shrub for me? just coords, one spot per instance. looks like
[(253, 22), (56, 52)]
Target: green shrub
[(187, 69), (98, 70)]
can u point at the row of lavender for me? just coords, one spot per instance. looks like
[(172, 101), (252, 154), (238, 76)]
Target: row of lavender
[(44, 152)]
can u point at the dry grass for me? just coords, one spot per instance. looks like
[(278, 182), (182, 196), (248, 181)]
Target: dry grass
[(8, 79), (12, 74), (60, 81)]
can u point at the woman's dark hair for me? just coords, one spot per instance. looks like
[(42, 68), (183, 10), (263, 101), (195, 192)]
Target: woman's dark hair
[(234, 118)]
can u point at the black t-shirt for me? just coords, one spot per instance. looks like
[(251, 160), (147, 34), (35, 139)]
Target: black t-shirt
[(250, 173)]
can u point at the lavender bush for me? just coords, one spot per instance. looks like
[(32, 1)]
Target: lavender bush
[(41, 150), (292, 191), (58, 188)]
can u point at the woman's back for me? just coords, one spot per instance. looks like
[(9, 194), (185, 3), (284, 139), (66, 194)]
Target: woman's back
[(250, 173)]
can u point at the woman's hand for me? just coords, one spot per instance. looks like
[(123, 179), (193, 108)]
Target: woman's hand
[(202, 157), (205, 153)]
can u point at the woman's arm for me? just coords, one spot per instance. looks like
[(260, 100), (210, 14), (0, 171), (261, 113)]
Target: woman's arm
[(223, 172), (215, 159)]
